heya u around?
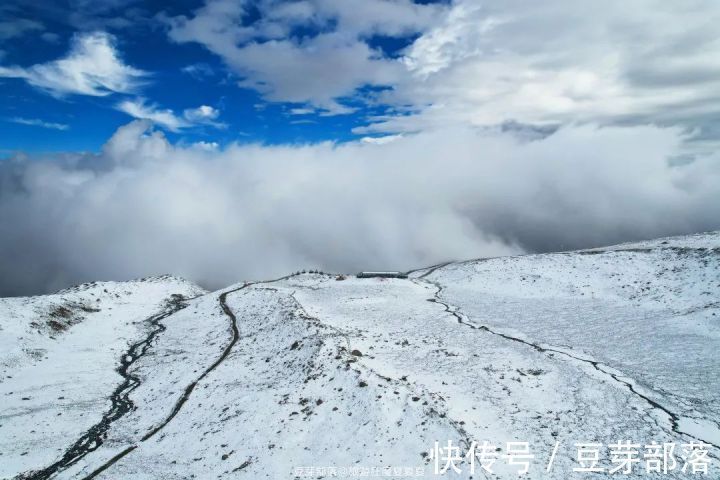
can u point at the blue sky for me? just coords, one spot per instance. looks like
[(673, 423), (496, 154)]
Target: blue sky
[(299, 71), (177, 76)]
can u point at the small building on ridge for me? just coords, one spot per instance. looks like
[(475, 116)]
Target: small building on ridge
[(382, 275)]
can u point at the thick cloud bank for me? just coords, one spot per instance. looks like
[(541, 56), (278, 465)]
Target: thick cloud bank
[(144, 206)]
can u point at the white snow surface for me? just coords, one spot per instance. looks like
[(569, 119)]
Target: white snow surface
[(340, 373)]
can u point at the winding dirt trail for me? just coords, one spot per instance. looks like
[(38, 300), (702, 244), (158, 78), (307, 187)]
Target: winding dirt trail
[(235, 335), (672, 417), (120, 400)]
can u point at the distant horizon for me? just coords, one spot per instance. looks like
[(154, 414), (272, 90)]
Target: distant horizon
[(225, 139), (309, 270)]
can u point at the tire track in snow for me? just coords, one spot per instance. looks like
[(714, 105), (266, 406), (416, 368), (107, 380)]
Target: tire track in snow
[(120, 400), (189, 389), (429, 269), (673, 418), (402, 383)]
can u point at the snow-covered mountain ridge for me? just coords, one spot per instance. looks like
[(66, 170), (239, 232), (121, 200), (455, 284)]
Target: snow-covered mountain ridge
[(324, 376)]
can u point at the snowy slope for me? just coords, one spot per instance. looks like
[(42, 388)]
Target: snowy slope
[(311, 376), (58, 360)]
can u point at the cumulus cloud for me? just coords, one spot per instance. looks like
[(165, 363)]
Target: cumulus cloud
[(393, 18), (559, 61), (91, 67), (315, 69), (203, 113), (145, 206), (166, 118), (477, 63), (352, 18)]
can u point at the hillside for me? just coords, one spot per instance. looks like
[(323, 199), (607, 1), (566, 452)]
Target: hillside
[(320, 376)]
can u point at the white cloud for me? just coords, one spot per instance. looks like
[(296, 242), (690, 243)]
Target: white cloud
[(302, 111), (559, 61), (219, 216), (318, 70), (380, 140), (206, 146), (166, 118), (204, 115), (91, 67), (201, 113), (199, 71), (218, 26), (475, 63), (39, 123), (355, 18)]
